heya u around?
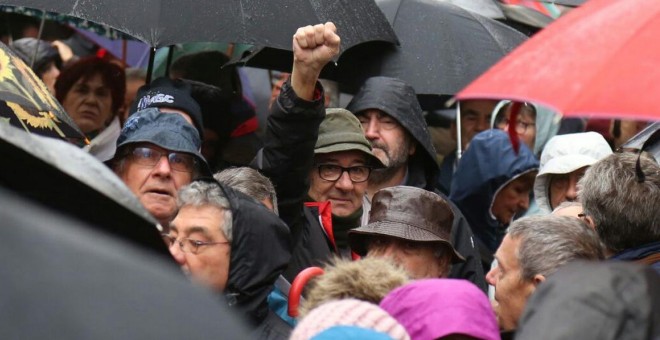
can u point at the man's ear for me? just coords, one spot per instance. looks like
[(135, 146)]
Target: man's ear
[(413, 147), (538, 278)]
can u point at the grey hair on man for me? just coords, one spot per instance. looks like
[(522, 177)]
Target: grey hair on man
[(250, 182), (200, 193), (548, 242), (624, 210)]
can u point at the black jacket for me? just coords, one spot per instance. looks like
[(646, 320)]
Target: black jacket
[(287, 158), (398, 99), (260, 251)]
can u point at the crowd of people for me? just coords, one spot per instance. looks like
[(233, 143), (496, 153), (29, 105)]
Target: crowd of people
[(531, 230)]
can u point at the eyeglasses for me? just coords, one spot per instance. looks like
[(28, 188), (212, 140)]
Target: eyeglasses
[(188, 245), (147, 156), (521, 127), (332, 172)]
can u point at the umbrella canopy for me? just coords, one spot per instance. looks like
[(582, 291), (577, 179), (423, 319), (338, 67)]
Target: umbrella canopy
[(263, 22), (26, 103), (63, 177), (600, 59), (62, 280), (442, 48)]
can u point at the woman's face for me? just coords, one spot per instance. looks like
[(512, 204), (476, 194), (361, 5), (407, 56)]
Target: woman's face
[(525, 125), (89, 103)]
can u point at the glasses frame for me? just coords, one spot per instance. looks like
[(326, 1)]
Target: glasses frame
[(194, 245), (175, 166), (341, 173)]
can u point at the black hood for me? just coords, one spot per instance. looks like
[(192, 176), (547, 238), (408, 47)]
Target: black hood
[(260, 251), (399, 100), (25, 49)]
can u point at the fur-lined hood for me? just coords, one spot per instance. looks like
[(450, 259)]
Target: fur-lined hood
[(368, 279)]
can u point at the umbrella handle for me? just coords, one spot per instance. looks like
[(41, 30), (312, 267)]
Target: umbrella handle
[(297, 286)]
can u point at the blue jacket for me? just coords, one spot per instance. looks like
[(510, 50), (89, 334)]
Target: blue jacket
[(488, 165), (638, 253)]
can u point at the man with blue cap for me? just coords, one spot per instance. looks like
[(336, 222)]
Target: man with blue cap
[(158, 153)]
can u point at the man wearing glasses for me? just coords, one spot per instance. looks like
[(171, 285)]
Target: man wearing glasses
[(158, 153)]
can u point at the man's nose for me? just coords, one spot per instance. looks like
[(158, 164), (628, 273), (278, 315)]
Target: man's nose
[(371, 129), (344, 182), (177, 254), (524, 201), (571, 191), (490, 276), (163, 166)]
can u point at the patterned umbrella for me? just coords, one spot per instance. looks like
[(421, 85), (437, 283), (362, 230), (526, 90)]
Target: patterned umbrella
[(26, 103)]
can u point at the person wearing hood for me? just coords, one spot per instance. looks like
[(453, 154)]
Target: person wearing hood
[(47, 59), (492, 185), (564, 161), (535, 126), (235, 246), (393, 122)]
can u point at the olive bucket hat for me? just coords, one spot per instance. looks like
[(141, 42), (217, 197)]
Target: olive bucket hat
[(342, 131), (407, 213)]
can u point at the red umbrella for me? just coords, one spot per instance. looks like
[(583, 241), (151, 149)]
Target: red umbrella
[(601, 59)]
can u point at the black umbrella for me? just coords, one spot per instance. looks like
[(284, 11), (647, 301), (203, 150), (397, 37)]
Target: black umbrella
[(63, 177), (442, 49), (26, 103), (62, 280), (258, 22)]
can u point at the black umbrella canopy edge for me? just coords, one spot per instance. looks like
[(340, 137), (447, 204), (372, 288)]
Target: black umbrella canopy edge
[(38, 180)]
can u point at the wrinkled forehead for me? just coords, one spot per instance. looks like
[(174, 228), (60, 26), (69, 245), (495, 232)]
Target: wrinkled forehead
[(375, 113)]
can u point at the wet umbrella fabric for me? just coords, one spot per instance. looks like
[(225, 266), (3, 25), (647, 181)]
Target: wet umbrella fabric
[(600, 59), (261, 22), (442, 48), (61, 176), (63, 280), (26, 103)]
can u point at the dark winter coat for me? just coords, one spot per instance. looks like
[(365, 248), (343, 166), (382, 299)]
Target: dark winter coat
[(591, 300), (286, 159), (260, 251), (398, 100)]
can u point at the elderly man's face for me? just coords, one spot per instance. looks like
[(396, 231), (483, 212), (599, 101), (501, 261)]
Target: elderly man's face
[(344, 194), (156, 185), (417, 258), (475, 117), (511, 291), (209, 263), (389, 140), (563, 187)]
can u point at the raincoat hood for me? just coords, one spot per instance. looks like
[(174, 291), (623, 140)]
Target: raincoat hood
[(564, 154), (488, 165), (547, 124), (587, 300), (398, 99), (260, 251), (435, 308)]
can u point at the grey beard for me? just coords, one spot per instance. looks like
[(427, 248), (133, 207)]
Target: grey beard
[(380, 176)]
